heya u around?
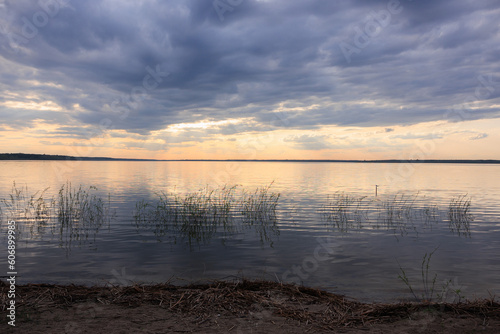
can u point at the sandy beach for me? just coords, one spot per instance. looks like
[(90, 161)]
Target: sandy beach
[(231, 307)]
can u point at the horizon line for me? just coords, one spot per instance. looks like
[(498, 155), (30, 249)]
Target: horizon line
[(56, 157)]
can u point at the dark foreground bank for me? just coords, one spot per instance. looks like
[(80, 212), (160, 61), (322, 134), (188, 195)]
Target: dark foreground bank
[(230, 307)]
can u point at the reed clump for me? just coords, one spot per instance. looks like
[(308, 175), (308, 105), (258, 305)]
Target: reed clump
[(344, 211), (195, 216), (259, 205), (429, 291), (74, 214), (459, 215), (31, 212), (399, 208), (428, 283), (23, 207), (401, 213), (199, 216), (258, 211), (80, 212)]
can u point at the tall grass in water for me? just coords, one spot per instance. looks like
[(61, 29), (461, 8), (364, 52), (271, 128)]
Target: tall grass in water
[(195, 216), (428, 283), (431, 213), (343, 211), (346, 212), (399, 208), (258, 210), (81, 206), (259, 205), (20, 206), (80, 214), (399, 213), (459, 215), (198, 216), (32, 212), (74, 214), (429, 289)]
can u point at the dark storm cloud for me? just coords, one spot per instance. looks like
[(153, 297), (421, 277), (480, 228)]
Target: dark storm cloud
[(143, 65)]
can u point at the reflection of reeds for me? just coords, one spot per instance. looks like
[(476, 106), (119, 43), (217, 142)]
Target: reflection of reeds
[(459, 215), (399, 213)]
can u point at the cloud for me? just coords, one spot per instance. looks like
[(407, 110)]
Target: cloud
[(479, 136), (309, 142), (46, 142), (103, 65), (429, 136)]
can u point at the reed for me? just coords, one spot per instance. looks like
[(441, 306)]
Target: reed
[(74, 214), (194, 216), (430, 214), (31, 212), (428, 282), (201, 213), (259, 205), (80, 214), (399, 208), (459, 215), (258, 210), (199, 216), (26, 208), (82, 206), (344, 211), (401, 213)]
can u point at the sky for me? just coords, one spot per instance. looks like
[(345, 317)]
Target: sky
[(251, 79)]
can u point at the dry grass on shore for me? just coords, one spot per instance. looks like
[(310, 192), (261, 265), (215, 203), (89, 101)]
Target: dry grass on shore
[(315, 308)]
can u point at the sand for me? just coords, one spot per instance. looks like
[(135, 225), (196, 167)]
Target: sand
[(240, 306)]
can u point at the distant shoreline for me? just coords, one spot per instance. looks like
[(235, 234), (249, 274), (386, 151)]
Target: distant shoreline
[(27, 156)]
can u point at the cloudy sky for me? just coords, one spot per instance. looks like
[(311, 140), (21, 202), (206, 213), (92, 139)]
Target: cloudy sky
[(251, 79)]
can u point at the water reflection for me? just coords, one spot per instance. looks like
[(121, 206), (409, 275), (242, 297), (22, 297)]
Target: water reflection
[(469, 248), (76, 215)]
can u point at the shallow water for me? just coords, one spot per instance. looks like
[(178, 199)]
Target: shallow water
[(356, 251)]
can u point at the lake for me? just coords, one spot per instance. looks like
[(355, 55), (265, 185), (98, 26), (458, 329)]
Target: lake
[(328, 229)]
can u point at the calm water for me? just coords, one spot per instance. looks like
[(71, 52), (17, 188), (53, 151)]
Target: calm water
[(359, 256)]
